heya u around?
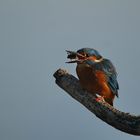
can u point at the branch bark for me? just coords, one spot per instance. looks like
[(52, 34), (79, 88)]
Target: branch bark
[(123, 121)]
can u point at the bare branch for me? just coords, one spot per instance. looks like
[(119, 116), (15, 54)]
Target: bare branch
[(123, 121)]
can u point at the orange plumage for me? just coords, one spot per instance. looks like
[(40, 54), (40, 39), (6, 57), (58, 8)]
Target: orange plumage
[(94, 82)]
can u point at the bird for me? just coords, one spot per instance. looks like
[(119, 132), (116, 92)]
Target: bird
[(96, 74)]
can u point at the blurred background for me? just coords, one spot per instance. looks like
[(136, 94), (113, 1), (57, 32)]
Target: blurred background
[(34, 35)]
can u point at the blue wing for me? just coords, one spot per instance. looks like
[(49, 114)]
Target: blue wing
[(111, 74), (107, 67)]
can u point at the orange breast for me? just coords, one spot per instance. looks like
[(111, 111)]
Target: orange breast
[(94, 81)]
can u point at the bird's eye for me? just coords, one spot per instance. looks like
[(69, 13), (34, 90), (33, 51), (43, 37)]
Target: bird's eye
[(86, 55)]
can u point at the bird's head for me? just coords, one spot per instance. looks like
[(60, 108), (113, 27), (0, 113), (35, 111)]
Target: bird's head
[(84, 54)]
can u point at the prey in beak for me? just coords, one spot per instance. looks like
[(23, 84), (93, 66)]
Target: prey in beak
[(75, 57)]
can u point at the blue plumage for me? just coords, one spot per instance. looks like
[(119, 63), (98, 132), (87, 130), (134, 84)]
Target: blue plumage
[(90, 52)]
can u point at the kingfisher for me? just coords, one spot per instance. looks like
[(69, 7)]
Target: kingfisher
[(96, 74)]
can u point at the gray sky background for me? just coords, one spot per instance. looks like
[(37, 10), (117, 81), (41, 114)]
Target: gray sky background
[(34, 35)]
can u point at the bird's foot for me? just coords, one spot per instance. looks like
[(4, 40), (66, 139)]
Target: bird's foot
[(100, 98)]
